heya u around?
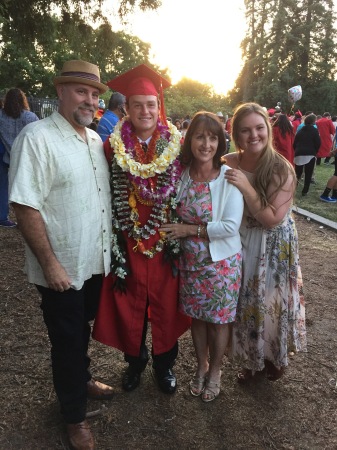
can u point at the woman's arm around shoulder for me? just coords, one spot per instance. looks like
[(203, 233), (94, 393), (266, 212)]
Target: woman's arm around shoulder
[(279, 200), (231, 160)]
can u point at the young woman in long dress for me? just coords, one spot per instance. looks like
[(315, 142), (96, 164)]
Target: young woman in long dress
[(270, 319)]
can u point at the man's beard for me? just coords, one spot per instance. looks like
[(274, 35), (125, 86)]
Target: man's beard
[(82, 120)]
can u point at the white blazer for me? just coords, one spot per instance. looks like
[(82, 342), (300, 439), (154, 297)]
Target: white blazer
[(227, 210)]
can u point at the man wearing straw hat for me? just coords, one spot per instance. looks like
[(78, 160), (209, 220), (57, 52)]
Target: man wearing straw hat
[(59, 188)]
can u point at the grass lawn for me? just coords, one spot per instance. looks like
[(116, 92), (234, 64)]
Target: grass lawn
[(312, 201)]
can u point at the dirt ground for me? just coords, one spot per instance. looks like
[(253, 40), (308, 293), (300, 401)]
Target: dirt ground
[(296, 412)]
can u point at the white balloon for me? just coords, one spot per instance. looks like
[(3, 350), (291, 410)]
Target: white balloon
[(294, 93)]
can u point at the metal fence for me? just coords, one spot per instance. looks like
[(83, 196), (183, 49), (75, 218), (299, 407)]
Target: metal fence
[(42, 107)]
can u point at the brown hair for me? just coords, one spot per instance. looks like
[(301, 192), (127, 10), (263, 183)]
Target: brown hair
[(15, 102), (283, 123), (211, 123), (271, 166), (310, 119)]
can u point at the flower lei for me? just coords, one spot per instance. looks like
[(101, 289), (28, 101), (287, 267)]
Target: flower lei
[(167, 149), (152, 183)]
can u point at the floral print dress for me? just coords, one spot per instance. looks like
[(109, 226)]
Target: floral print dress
[(208, 290), (270, 319)]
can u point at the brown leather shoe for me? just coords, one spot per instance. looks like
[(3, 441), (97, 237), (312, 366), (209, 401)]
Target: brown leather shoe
[(80, 436), (99, 391)]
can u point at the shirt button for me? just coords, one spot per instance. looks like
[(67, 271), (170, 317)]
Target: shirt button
[(103, 210), (103, 231), (104, 251)]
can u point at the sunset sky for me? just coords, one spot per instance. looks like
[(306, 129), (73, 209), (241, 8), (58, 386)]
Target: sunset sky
[(200, 41)]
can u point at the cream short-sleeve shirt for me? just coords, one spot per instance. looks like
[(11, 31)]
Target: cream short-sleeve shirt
[(67, 180)]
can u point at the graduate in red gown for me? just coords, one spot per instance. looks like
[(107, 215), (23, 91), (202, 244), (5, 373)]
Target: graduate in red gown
[(283, 137), (326, 131), (143, 285)]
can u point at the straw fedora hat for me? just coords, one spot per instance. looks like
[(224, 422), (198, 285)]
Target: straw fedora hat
[(77, 71)]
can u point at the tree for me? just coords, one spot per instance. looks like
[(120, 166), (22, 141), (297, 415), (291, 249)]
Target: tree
[(188, 97), (32, 66), (27, 18), (39, 35), (288, 42), (30, 55)]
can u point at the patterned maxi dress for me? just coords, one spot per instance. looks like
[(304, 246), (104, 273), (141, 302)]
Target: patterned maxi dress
[(270, 319), (208, 290)]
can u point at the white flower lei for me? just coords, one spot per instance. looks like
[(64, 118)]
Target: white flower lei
[(159, 165), (125, 162)]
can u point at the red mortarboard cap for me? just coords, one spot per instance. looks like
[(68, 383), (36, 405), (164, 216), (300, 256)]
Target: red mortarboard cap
[(141, 80)]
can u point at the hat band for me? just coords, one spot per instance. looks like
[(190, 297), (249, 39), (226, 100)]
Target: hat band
[(88, 76)]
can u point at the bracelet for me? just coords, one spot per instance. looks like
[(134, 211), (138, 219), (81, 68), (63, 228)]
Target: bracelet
[(198, 231)]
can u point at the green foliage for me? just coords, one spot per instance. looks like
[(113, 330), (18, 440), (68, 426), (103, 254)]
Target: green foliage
[(188, 97), (127, 6), (36, 42), (288, 42)]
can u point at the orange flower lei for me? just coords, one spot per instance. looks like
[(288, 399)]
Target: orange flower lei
[(141, 156)]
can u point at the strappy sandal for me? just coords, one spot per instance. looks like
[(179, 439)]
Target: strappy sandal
[(244, 376), (197, 385), (211, 391)]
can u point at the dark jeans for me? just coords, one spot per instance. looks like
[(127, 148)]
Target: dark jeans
[(67, 315), (4, 208), (308, 171), (161, 362)]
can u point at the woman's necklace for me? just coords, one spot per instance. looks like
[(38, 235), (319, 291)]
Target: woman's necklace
[(203, 178)]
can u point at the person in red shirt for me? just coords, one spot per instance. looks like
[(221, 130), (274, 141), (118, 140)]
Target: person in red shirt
[(297, 120), (326, 131), (143, 154), (332, 181), (228, 126), (283, 137)]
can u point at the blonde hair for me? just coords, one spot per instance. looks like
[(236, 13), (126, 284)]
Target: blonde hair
[(272, 167)]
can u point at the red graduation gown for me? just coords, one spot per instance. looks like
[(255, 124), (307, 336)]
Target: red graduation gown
[(120, 317), (326, 131), (284, 144)]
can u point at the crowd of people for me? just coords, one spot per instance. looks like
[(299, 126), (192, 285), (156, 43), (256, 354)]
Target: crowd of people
[(14, 116), (305, 140), (152, 221)]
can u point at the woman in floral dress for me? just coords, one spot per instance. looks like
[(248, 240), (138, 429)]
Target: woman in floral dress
[(270, 319), (210, 266)]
